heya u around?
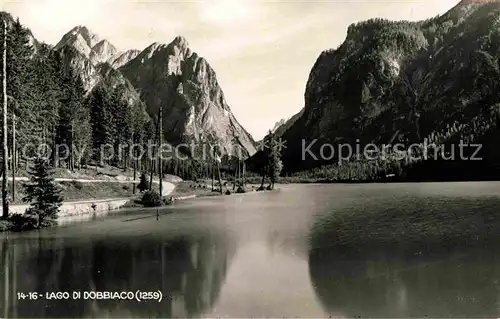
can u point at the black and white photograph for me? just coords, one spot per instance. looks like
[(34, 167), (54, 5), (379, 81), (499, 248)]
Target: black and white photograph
[(250, 159)]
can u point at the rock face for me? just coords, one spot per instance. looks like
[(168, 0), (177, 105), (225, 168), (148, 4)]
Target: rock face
[(282, 126), (84, 52), (410, 79), (184, 85), (168, 76), (92, 58), (89, 45), (82, 65), (102, 52), (278, 124), (124, 57)]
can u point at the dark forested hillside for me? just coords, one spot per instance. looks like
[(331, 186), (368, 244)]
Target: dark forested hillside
[(75, 94), (52, 106), (185, 86), (430, 81)]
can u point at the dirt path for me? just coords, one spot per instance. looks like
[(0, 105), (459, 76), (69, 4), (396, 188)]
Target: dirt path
[(168, 188)]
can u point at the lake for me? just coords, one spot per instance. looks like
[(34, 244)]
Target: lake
[(268, 254)]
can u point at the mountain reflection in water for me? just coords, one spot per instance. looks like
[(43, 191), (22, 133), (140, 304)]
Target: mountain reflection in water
[(274, 255), (413, 278), (188, 270)]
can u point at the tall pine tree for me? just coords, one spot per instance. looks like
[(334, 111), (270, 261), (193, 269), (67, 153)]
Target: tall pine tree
[(43, 194)]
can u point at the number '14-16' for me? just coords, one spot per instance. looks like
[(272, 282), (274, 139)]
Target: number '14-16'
[(29, 295)]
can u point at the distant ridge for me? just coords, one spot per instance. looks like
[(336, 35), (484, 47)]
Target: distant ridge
[(467, 2), (436, 80), (185, 86)]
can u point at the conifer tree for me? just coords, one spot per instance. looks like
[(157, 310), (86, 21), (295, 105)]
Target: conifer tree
[(143, 183), (42, 193), (274, 165)]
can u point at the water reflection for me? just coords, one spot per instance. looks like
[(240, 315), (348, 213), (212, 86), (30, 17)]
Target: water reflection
[(188, 270), (460, 283)]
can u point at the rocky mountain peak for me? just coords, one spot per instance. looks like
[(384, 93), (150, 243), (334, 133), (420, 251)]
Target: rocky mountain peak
[(122, 58), (180, 41), (179, 47), (186, 88), (79, 35), (86, 53), (278, 124), (103, 51)]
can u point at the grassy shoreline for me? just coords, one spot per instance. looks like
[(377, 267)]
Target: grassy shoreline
[(312, 180)]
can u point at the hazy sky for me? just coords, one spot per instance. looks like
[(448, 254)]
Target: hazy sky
[(262, 51)]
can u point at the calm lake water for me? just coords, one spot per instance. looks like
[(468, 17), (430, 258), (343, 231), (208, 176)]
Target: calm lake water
[(256, 255)]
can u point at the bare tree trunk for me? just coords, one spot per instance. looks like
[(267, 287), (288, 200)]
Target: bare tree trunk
[(55, 151), (234, 179), (71, 151), (239, 173), (183, 171), (220, 178), (244, 174), (213, 176), (5, 205), (14, 152), (160, 139), (151, 171), (135, 171)]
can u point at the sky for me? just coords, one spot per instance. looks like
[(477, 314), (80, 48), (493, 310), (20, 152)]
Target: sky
[(262, 51)]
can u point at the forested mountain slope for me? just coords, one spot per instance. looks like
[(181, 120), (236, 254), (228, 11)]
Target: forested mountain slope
[(436, 80)]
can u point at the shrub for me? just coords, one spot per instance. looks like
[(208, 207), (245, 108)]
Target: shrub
[(143, 183), (228, 192), (168, 201), (77, 185), (151, 199), (241, 190), (5, 225), (261, 188), (23, 222), (133, 204)]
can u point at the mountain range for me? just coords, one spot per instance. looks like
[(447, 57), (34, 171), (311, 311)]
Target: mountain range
[(168, 76), (434, 80)]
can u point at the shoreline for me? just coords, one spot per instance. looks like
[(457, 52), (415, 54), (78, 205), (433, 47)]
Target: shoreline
[(88, 209), (85, 208), (284, 181)]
